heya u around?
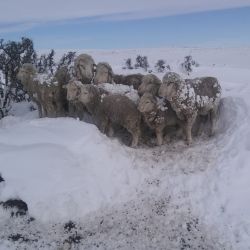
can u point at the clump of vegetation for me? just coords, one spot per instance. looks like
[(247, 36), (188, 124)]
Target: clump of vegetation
[(161, 66), (188, 64), (142, 62), (128, 64)]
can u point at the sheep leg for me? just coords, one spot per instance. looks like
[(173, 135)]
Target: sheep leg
[(40, 112), (189, 125), (103, 125), (213, 118), (159, 136), (135, 138), (110, 130)]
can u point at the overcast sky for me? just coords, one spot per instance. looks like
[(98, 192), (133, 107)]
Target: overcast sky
[(126, 23)]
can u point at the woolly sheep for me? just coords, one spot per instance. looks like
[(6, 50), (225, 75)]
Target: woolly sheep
[(150, 83), (104, 73), (84, 68), (157, 117), (134, 80), (110, 109), (50, 98), (192, 97)]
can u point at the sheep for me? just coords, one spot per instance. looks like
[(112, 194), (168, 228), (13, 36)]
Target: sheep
[(104, 73), (26, 75), (50, 98), (150, 83), (84, 68), (108, 110), (134, 80), (156, 117), (192, 97)]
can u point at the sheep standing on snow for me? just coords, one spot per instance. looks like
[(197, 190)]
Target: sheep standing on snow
[(189, 98), (109, 109), (157, 117), (134, 80), (50, 98), (150, 84), (84, 68), (26, 75), (104, 73)]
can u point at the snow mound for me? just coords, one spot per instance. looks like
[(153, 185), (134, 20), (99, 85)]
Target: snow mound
[(63, 168)]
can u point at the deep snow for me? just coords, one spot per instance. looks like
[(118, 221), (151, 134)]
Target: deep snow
[(168, 197)]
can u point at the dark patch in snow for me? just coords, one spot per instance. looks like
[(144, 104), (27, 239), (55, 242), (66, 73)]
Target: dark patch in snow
[(69, 226), (19, 237), (74, 239), (18, 207), (1, 178)]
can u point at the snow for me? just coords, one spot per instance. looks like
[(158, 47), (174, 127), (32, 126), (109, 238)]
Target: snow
[(168, 197), (121, 89)]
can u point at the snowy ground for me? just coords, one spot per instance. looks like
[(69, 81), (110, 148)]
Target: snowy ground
[(168, 197)]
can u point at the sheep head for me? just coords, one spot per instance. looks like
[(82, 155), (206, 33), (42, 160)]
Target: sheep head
[(88, 94), (150, 84), (26, 73), (169, 86), (104, 73), (147, 103), (73, 90), (84, 68)]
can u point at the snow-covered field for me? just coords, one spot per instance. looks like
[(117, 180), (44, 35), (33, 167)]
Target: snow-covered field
[(169, 197)]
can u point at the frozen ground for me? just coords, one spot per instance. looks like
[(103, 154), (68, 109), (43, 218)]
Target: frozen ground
[(168, 197)]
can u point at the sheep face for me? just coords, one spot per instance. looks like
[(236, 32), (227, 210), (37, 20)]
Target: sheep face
[(147, 103), (73, 92), (87, 94), (84, 68), (26, 73), (150, 84), (167, 90), (104, 73)]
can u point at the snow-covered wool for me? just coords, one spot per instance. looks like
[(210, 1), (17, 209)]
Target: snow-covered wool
[(157, 115), (192, 97), (134, 80), (109, 109), (84, 68), (50, 98), (104, 73), (150, 83), (121, 89)]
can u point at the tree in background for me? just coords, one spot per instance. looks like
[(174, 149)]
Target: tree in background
[(188, 64), (161, 66), (142, 62), (12, 56), (45, 64), (67, 60)]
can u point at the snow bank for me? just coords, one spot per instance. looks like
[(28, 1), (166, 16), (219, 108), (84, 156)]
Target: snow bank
[(162, 196), (63, 168)]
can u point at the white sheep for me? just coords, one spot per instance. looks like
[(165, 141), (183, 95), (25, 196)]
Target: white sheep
[(156, 115), (150, 83), (84, 68), (103, 74), (192, 97), (108, 109)]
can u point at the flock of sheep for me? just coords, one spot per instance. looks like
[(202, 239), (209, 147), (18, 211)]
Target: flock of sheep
[(172, 102)]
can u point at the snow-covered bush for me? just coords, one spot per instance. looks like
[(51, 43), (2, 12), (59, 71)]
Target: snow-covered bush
[(128, 64), (142, 62), (5, 100), (45, 64), (188, 64), (161, 66)]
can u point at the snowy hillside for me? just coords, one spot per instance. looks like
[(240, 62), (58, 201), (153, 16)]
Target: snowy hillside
[(85, 188)]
